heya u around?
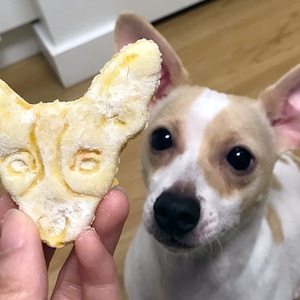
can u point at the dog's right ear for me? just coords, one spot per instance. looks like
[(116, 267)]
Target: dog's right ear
[(129, 28), (281, 102)]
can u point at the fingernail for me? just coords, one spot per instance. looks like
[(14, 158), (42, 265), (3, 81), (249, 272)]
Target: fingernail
[(89, 230), (115, 189), (4, 196), (13, 228), (7, 199), (119, 188)]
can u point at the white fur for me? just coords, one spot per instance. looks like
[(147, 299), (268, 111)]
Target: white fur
[(203, 109)]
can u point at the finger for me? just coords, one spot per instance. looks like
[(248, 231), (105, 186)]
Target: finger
[(23, 273), (111, 215), (99, 278), (68, 284), (6, 203)]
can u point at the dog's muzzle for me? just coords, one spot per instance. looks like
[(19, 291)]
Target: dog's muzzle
[(176, 213)]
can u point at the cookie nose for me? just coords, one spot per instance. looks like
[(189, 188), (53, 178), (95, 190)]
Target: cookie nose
[(176, 213)]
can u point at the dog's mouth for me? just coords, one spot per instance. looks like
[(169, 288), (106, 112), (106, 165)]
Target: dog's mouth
[(199, 240), (172, 243), (201, 236), (183, 222)]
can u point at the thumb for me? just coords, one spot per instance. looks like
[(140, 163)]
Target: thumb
[(23, 272)]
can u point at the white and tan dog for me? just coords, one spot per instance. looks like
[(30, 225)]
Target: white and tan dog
[(222, 215)]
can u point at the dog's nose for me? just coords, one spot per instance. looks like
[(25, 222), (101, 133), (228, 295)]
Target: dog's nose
[(176, 213)]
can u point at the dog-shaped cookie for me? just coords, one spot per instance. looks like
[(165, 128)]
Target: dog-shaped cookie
[(58, 160)]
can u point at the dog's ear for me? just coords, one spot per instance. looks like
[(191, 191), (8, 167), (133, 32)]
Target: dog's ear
[(281, 102), (131, 27)]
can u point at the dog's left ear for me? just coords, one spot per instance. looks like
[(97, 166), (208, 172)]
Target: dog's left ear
[(281, 102), (131, 27)]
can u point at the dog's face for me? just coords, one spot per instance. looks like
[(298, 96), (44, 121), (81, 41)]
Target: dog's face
[(211, 151), (208, 157)]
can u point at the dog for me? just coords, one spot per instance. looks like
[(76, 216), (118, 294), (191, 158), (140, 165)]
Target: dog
[(221, 218)]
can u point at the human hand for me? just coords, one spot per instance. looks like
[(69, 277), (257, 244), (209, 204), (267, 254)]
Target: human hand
[(88, 273)]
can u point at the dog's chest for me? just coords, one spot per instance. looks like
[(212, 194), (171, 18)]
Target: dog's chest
[(213, 280), (228, 276), (238, 271)]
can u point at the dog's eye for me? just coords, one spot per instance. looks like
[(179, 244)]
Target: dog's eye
[(161, 139), (239, 158)]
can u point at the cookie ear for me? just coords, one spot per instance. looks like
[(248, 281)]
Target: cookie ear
[(15, 114), (131, 27), (126, 85), (17, 149), (281, 102)]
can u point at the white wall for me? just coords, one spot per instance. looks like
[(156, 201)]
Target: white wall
[(76, 36)]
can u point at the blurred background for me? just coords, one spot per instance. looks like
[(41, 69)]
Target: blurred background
[(51, 49)]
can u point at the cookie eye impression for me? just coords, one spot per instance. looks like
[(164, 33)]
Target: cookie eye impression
[(19, 170), (19, 163), (89, 171), (86, 161)]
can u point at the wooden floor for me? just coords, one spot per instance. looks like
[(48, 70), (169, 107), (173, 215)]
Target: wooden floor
[(234, 46)]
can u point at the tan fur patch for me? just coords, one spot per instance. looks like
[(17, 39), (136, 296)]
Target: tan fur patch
[(276, 184), (284, 160), (296, 157), (239, 124), (173, 117), (275, 224), (296, 152)]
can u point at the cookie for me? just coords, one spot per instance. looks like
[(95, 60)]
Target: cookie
[(59, 159)]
